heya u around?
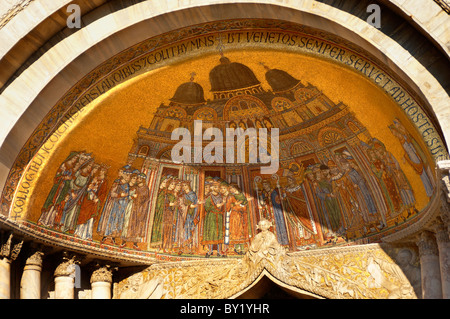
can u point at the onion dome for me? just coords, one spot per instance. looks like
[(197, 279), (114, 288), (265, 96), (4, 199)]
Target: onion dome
[(280, 80), (189, 93), (229, 76)]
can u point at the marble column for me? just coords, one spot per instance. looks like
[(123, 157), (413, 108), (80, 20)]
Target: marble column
[(8, 253), (443, 242), (429, 264), (30, 284), (101, 281), (65, 280)]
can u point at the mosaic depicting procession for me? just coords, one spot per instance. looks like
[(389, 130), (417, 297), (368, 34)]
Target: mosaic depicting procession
[(336, 183)]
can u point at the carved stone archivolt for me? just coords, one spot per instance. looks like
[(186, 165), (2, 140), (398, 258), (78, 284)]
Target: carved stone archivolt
[(357, 272)]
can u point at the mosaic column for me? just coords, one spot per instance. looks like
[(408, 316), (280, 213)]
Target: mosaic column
[(30, 284), (65, 279), (443, 242), (8, 253), (430, 269), (101, 281)]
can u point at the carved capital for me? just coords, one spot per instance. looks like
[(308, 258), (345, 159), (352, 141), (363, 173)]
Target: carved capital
[(35, 259), (427, 244), (102, 274), (10, 250), (444, 174)]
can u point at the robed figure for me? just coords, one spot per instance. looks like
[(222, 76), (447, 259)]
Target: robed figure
[(78, 190), (169, 217), (120, 195), (159, 210), (413, 155), (192, 217), (328, 200)]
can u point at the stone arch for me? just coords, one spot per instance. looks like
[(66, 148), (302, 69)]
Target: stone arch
[(25, 114)]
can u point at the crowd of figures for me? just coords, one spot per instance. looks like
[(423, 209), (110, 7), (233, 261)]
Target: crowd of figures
[(360, 189), (182, 222), (81, 196)]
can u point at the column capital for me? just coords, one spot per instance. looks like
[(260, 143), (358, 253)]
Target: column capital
[(35, 258), (442, 233), (426, 242)]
